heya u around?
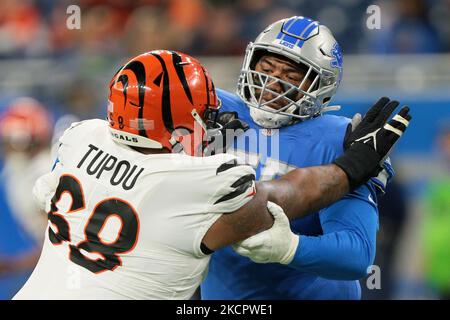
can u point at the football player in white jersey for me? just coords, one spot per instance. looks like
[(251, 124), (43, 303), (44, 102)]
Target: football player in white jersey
[(135, 211)]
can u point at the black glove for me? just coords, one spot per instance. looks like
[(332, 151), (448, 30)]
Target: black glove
[(221, 135), (369, 142)]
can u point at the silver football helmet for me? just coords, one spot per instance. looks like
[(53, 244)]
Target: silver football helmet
[(307, 43)]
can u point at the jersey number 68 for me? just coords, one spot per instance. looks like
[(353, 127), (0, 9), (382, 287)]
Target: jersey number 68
[(124, 242)]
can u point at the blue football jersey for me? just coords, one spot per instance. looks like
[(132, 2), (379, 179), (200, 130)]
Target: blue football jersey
[(274, 152)]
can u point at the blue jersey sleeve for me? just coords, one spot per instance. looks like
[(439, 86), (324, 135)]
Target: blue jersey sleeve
[(348, 244)]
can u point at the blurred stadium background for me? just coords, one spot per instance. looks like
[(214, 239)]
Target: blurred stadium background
[(408, 59)]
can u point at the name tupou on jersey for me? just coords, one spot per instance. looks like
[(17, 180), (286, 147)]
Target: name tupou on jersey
[(126, 225)]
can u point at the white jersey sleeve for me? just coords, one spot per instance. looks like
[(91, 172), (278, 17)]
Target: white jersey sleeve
[(197, 194), (43, 190), (45, 186), (234, 187)]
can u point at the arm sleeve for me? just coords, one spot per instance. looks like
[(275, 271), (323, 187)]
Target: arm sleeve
[(235, 186), (347, 247), (46, 185), (210, 187)]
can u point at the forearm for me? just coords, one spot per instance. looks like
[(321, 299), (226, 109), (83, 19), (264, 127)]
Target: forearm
[(348, 244), (233, 227), (298, 192), (343, 255), (344, 251), (307, 190)]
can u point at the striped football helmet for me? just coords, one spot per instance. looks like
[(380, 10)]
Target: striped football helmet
[(306, 43), (162, 99)]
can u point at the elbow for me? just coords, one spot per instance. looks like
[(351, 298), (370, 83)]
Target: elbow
[(357, 271), (361, 261)]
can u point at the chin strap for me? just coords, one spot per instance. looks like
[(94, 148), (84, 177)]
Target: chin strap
[(199, 120), (331, 108)]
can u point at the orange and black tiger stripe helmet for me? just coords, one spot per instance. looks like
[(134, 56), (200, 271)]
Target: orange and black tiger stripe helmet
[(25, 125), (161, 98)]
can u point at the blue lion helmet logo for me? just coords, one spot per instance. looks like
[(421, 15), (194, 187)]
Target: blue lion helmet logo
[(337, 62)]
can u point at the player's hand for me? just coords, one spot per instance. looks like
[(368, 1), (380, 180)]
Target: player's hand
[(277, 244), (369, 140), (221, 137), (374, 130)]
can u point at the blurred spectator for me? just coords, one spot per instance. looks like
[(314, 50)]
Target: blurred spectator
[(252, 13), (62, 41), (188, 15), (100, 31), (210, 27), (84, 98), (148, 28), (410, 30), (392, 210), (276, 14), (222, 35), (435, 227), (22, 32), (25, 131)]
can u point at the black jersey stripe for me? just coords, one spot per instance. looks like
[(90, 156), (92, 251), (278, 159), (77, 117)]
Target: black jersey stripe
[(227, 165), (241, 185), (244, 180)]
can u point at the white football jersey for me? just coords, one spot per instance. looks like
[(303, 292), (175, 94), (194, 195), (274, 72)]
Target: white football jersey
[(125, 225)]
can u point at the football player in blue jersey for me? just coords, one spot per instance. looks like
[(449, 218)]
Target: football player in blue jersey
[(289, 76)]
